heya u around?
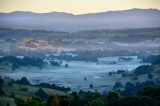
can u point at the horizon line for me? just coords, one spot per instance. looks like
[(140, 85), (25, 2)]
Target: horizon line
[(79, 14)]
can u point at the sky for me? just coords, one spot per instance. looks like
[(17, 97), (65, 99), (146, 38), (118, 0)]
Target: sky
[(75, 6)]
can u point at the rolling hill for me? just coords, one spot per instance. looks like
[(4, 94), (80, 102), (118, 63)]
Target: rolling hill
[(60, 21)]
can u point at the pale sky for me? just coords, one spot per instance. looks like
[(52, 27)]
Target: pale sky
[(75, 6)]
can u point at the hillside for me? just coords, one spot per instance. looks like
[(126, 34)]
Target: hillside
[(133, 18)]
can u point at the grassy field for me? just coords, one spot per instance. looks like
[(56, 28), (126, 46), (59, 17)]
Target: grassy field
[(19, 92)]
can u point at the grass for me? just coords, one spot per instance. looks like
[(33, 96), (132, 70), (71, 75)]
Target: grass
[(16, 91)]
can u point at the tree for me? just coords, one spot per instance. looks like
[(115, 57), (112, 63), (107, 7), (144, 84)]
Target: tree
[(52, 100), (13, 69), (134, 101), (150, 76), (41, 93), (75, 100), (123, 75), (8, 104), (97, 102), (1, 91), (23, 81), (117, 85), (18, 62), (144, 69), (156, 61), (110, 73), (54, 63), (66, 65), (91, 86), (1, 81), (112, 98), (135, 78), (120, 71), (151, 92), (129, 89), (12, 95), (64, 100), (24, 89), (20, 102), (33, 101), (113, 95)]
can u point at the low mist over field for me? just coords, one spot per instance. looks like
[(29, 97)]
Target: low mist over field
[(97, 43)]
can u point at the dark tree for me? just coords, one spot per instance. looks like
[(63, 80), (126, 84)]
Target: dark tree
[(64, 100), (144, 69), (41, 93), (23, 81), (66, 65), (150, 76), (91, 86), (117, 85)]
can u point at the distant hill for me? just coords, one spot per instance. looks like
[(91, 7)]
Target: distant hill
[(60, 21)]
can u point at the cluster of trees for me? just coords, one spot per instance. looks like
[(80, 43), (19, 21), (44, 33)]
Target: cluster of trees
[(23, 81), (117, 85), (157, 61), (76, 58), (150, 59), (120, 71), (123, 72), (143, 69), (147, 97), (130, 89), (125, 58), (147, 69), (133, 88), (53, 86), (56, 64), (31, 101), (133, 94), (25, 61)]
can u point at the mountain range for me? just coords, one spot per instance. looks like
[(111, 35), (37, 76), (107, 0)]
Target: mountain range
[(60, 21)]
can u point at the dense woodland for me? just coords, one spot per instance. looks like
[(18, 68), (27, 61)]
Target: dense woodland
[(147, 97), (141, 94)]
